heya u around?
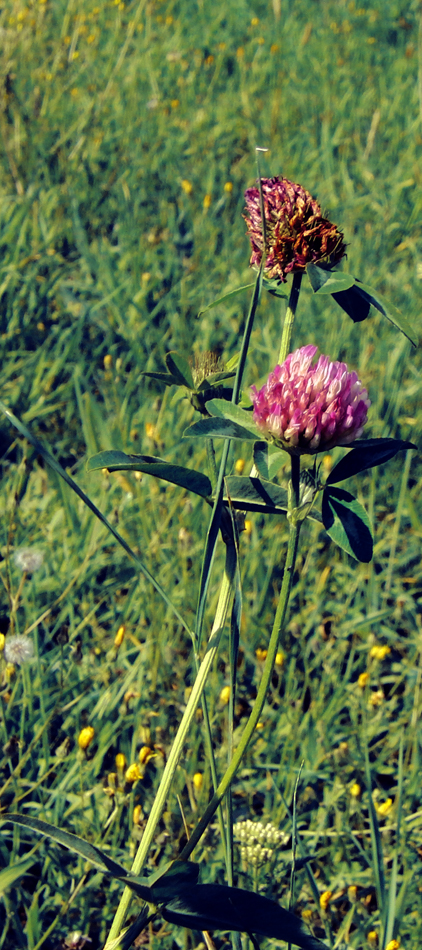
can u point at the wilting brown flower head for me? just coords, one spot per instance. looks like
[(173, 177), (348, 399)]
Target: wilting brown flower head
[(296, 232)]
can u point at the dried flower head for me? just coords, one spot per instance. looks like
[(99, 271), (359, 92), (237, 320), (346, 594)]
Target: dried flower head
[(28, 559), (18, 650), (296, 231), (307, 409)]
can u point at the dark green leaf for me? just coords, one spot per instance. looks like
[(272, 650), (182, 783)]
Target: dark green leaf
[(214, 378), (276, 458), (85, 850), (274, 287), (116, 461), (216, 907), (224, 410), (165, 378), (353, 304), (347, 523), (231, 293), (254, 494), (365, 455), (179, 367), (168, 883), (325, 281), (388, 310), (260, 457), (357, 302), (268, 459), (217, 428)]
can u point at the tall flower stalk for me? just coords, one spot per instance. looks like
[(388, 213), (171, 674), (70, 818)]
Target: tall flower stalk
[(302, 409)]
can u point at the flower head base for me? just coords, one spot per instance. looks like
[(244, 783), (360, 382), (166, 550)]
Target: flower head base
[(296, 231), (307, 409)]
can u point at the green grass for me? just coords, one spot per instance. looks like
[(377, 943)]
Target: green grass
[(106, 250)]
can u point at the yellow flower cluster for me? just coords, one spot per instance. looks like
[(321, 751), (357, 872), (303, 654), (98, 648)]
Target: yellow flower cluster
[(324, 899), (379, 651)]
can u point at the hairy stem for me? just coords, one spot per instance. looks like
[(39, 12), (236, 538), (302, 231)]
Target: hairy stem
[(177, 748), (289, 318), (278, 627)]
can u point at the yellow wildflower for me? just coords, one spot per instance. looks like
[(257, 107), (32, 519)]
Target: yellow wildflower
[(85, 737), (120, 761), (355, 790), (379, 651), (324, 899), (225, 695), (2, 641), (198, 780), (207, 202), (352, 893), (239, 465), (384, 808), (145, 754), (228, 187), (108, 361), (261, 654), (372, 938), (393, 945), (248, 527), (137, 814), (363, 680), (376, 698), (133, 773), (118, 640), (187, 187), (280, 658)]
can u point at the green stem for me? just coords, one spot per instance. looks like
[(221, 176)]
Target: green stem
[(250, 727), (289, 318), (177, 747), (212, 466)]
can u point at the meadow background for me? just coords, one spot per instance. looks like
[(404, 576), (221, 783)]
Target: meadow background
[(128, 134)]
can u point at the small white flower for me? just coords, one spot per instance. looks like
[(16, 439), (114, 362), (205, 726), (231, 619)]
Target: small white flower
[(18, 650), (28, 559)]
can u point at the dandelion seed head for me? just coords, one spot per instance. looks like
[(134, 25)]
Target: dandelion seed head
[(28, 559), (18, 650)]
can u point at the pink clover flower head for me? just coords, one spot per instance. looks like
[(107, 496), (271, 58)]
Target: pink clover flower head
[(296, 231), (306, 409)]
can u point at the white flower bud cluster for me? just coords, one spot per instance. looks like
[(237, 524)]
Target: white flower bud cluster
[(257, 841)]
